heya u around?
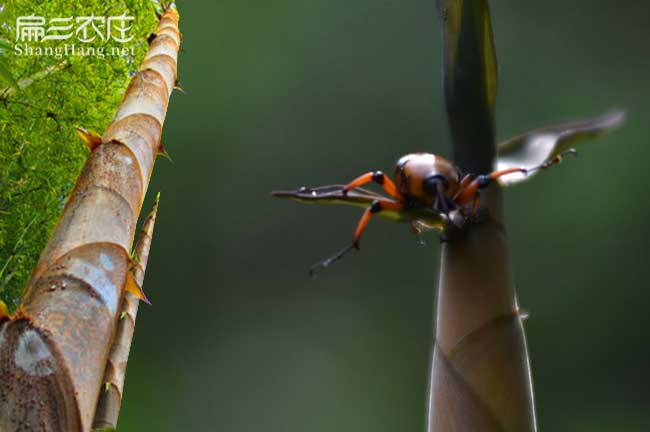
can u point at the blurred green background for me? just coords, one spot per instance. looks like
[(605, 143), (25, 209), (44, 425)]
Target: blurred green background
[(294, 92)]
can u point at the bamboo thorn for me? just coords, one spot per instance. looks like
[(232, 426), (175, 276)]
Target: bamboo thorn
[(177, 86), (162, 152), (91, 138), (133, 288)]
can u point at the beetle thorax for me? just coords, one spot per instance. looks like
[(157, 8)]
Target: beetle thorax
[(412, 170)]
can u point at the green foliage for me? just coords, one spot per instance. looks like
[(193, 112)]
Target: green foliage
[(44, 99)]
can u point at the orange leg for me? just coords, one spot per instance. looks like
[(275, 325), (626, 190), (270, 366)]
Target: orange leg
[(481, 182), (376, 207), (475, 204), (377, 177), (462, 185)]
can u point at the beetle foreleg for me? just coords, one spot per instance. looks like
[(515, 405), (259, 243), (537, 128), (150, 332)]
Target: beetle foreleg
[(462, 185), (378, 177), (467, 195)]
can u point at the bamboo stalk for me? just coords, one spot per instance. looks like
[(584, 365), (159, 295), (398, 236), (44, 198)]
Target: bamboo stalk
[(110, 399), (480, 375), (53, 351)]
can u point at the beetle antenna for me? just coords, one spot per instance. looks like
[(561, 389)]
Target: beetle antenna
[(327, 261), (556, 160)]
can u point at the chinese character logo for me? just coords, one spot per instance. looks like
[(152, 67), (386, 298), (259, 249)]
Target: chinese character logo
[(30, 28), (53, 32), (118, 28), (85, 29)]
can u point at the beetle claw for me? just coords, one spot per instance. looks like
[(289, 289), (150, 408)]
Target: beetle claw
[(480, 216), (337, 256)]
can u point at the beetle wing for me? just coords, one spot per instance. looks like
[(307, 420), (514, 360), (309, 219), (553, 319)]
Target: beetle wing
[(533, 148)]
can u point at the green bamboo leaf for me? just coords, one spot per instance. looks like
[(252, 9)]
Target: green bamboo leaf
[(541, 145), (4, 44), (6, 75), (470, 80)]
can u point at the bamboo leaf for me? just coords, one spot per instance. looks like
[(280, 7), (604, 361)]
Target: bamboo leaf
[(4, 44), (541, 145), (6, 75), (26, 82), (470, 81)]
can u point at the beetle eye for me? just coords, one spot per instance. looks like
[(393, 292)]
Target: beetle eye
[(430, 184)]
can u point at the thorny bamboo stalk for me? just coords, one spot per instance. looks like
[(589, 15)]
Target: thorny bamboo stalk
[(53, 351), (110, 399), (480, 376)]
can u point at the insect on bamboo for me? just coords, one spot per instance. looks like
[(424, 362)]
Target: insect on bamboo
[(431, 193), (54, 349), (480, 370)]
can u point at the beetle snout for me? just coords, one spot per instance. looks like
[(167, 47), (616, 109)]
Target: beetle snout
[(431, 182)]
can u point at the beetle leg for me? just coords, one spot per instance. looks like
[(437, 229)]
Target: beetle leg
[(556, 160), (463, 184), (481, 182), (378, 177), (475, 203), (375, 207), (466, 195), (327, 261)]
